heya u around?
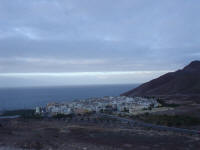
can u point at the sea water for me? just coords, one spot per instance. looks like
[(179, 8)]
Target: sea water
[(30, 97)]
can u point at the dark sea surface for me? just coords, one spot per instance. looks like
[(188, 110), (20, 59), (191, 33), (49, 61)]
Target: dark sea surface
[(20, 98)]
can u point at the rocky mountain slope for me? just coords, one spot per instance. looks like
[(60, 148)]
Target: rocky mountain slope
[(182, 82)]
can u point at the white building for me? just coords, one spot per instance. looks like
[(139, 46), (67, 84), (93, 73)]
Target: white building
[(120, 103)]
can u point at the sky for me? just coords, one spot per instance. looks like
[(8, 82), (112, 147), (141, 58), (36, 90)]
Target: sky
[(76, 42)]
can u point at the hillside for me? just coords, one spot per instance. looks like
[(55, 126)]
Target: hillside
[(182, 82)]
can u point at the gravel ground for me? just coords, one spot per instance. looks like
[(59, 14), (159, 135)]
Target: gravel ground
[(61, 135)]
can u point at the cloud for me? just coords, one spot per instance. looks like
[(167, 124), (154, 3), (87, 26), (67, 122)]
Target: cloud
[(51, 61), (37, 64), (26, 32), (98, 36), (73, 74), (76, 78)]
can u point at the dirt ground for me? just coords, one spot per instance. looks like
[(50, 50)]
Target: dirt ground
[(17, 134)]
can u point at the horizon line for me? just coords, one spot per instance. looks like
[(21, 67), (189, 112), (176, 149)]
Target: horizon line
[(57, 74)]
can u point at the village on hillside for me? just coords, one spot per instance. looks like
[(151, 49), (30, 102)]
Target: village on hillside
[(120, 104)]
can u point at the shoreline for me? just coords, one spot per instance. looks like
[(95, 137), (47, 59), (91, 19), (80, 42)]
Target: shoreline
[(10, 117)]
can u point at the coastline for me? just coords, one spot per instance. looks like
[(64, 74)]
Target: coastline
[(10, 117)]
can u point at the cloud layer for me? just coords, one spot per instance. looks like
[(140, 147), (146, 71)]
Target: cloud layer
[(98, 35), (76, 78)]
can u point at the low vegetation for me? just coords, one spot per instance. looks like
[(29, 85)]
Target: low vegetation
[(176, 120), (20, 112), (164, 104), (61, 116), (23, 113)]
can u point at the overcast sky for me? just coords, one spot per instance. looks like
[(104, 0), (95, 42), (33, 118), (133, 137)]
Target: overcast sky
[(66, 42)]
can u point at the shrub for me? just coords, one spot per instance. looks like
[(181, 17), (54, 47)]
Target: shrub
[(60, 116), (164, 104), (176, 120)]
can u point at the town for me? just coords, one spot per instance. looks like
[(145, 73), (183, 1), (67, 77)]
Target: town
[(120, 104)]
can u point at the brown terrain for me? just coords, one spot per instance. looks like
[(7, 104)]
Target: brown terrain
[(52, 134)]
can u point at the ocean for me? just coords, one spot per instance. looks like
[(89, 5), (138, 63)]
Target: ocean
[(30, 97)]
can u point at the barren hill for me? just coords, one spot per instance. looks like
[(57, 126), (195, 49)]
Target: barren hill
[(182, 82)]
